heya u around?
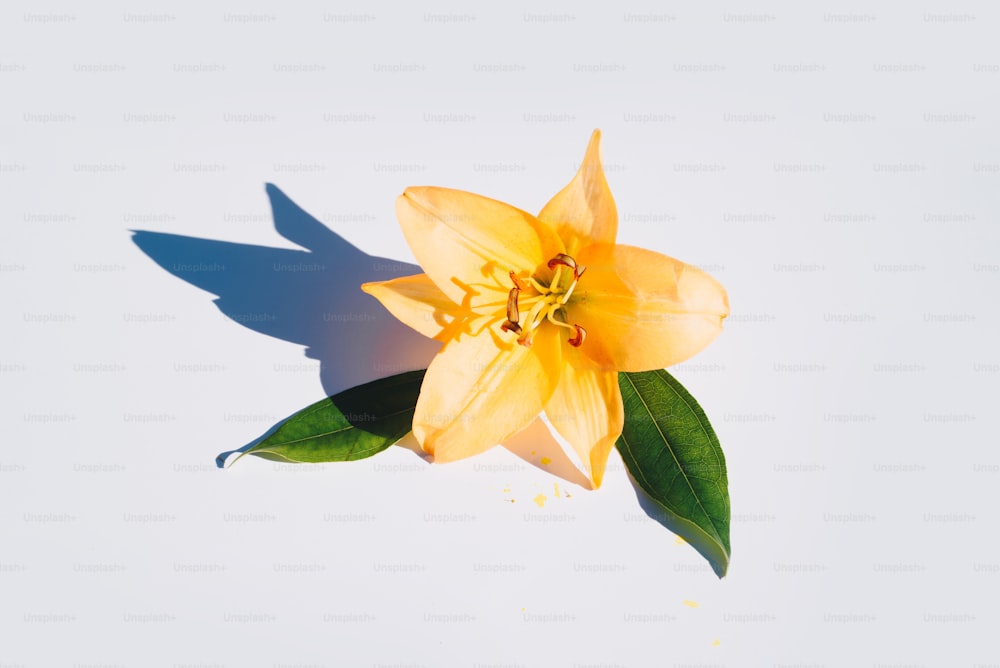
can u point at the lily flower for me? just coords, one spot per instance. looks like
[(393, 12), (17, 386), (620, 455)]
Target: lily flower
[(539, 313)]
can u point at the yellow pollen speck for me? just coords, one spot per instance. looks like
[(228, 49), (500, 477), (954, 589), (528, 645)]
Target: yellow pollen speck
[(716, 642), (540, 500), (679, 540), (556, 485), (506, 489), (546, 461), (690, 604)]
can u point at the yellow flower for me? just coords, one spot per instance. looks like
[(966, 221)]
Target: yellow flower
[(539, 313)]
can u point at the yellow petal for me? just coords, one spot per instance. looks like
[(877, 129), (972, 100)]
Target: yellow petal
[(468, 244), (643, 310), (419, 303), (586, 409), (479, 390), (584, 211)]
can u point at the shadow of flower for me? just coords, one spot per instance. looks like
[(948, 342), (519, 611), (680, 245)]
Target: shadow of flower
[(312, 297)]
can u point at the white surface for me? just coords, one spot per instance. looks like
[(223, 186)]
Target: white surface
[(836, 167)]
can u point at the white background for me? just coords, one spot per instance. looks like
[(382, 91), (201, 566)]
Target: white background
[(836, 166)]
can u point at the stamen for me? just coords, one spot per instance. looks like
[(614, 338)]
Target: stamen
[(524, 301), (554, 283), (530, 322), (518, 283), (538, 286), (512, 314), (511, 327), (550, 315), (547, 302), (564, 260), (569, 293)]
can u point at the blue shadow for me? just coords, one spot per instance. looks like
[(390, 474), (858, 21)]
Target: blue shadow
[(677, 526), (309, 297)]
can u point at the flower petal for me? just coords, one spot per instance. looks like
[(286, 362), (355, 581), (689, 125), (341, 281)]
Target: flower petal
[(468, 244), (586, 409), (584, 211), (419, 303), (643, 310), (479, 390)]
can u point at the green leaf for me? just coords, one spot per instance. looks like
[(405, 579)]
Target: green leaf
[(354, 424), (675, 458)]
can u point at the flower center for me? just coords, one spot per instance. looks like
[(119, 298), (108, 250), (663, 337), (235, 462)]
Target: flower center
[(545, 302)]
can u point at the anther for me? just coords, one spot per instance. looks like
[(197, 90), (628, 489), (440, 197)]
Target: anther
[(564, 260), (518, 283), (512, 314), (581, 335), (567, 261), (511, 327)]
